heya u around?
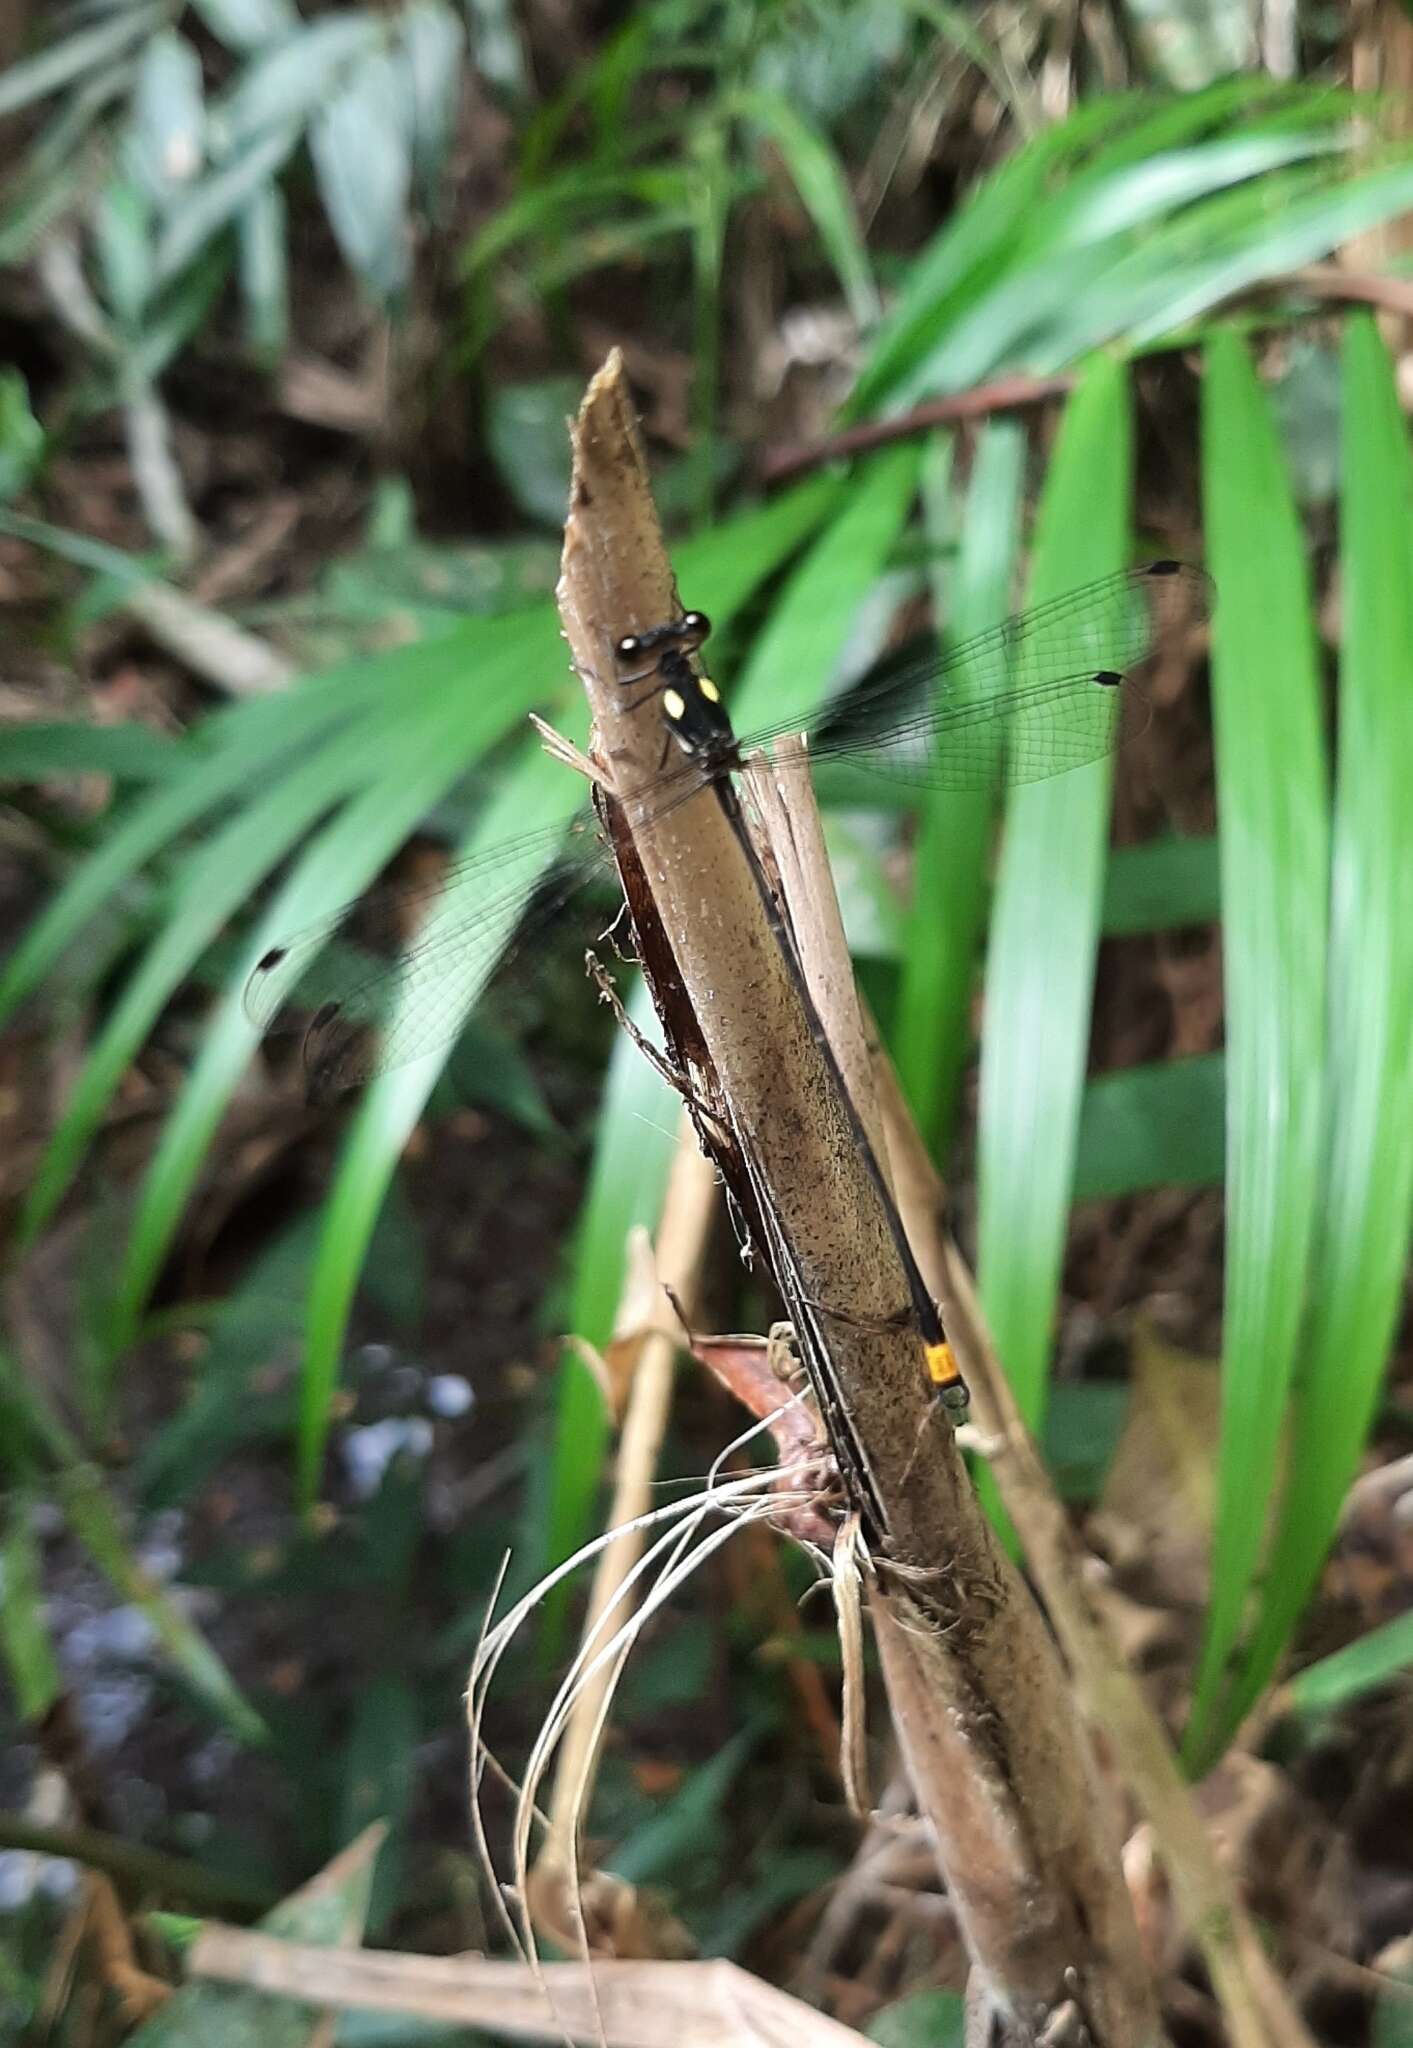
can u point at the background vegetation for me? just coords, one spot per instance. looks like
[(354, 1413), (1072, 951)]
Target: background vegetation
[(293, 303)]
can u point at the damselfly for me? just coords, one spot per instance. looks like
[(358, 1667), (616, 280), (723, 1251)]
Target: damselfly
[(1050, 690)]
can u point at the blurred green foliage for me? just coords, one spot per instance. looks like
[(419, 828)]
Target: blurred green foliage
[(162, 177), (142, 197)]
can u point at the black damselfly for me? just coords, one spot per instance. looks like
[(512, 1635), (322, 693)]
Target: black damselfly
[(1050, 690)]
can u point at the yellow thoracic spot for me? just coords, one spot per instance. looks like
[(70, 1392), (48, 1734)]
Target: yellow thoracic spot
[(672, 703), (709, 690)]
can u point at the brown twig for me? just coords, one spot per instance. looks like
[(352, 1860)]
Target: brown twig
[(1328, 282), (1254, 2001), (630, 2005), (687, 1211), (1003, 394), (997, 1754), (1036, 1830), (1353, 287), (139, 1994), (698, 910), (146, 1870)]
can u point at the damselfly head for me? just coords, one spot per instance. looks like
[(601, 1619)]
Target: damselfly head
[(684, 635)]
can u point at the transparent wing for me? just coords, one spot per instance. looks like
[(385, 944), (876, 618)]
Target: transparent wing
[(394, 974), (1050, 690)]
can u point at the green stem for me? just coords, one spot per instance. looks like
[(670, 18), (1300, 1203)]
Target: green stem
[(145, 1869)]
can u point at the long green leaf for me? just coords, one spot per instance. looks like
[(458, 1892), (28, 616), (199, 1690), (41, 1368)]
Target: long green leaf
[(1045, 930), (1273, 809), (169, 115), (403, 780), (819, 179), (1232, 244), (129, 753), (1156, 187), (1282, 237), (1022, 273), (1162, 886), (721, 569), (633, 1151), (1375, 1659), (97, 1523), (1152, 1127), (1366, 1195), (538, 793), (963, 259), (262, 266), (25, 1641), (932, 1031), (361, 148), (796, 655), (1064, 298), (237, 750), (1158, 122), (74, 57), (433, 50), (217, 881), (554, 206)]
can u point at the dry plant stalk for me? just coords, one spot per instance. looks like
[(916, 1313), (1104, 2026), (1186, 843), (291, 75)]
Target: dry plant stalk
[(688, 1207), (628, 2005), (1255, 2004), (999, 1761), (1257, 2009)]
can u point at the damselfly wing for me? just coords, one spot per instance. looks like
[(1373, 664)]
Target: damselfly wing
[(1051, 690)]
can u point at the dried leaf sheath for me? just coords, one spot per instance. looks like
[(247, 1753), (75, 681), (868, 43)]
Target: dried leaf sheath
[(999, 1763)]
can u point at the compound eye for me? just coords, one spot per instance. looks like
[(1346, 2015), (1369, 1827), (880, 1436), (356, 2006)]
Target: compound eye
[(629, 647), (696, 623)]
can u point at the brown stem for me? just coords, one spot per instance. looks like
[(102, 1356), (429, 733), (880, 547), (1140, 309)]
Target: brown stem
[(999, 1759), (1328, 282), (146, 1870), (1004, 394), (1354, 287), (1257, 2009), (688, 1208), (631, 2004), (1047, 1792)]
